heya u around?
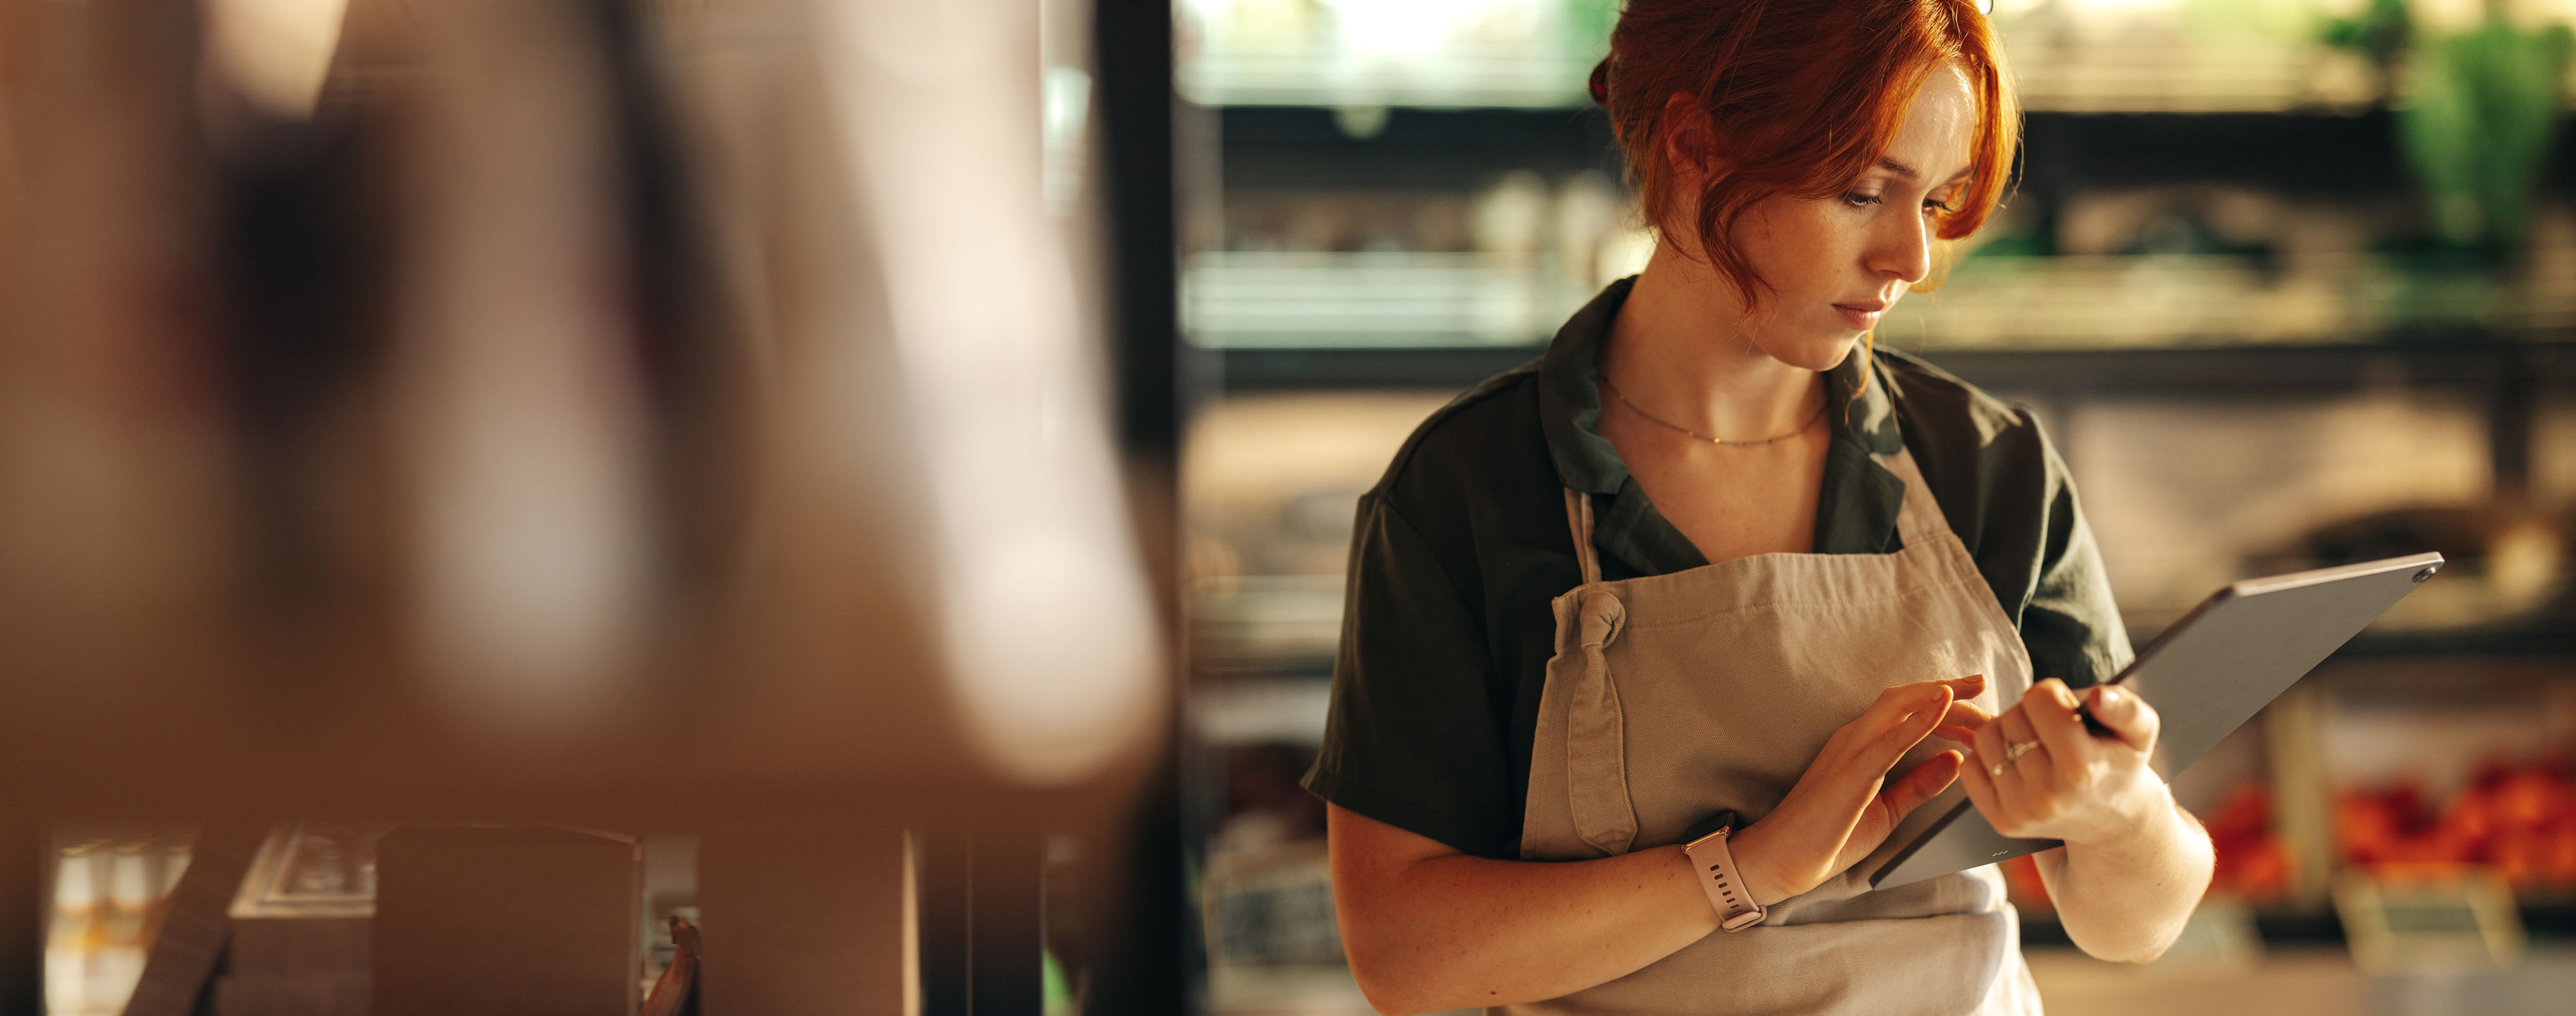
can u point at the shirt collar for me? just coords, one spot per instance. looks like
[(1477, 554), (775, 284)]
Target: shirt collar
[(1857, 506)]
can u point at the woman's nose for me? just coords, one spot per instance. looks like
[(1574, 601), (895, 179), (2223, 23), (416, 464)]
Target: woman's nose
[(1904, 250)]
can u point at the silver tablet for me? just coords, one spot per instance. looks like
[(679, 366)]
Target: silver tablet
[(2206, 675)]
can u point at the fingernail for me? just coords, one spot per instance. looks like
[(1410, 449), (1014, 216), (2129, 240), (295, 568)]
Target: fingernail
[(2112, 699)]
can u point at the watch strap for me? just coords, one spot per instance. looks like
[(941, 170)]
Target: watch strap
[(1713, 866)]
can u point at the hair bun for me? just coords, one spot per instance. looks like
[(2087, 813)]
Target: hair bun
[(1600, 85)]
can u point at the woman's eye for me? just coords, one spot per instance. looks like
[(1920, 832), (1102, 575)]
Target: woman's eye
[(1857, 199), (1937, 207)]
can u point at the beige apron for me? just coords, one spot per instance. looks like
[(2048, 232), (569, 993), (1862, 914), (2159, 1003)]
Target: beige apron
[(1671, 697)]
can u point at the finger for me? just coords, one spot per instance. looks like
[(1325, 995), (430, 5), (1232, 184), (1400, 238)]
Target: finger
[(2128, 716), (1896, 723), (1899, 702), (1962, 722), (2013, 790), (1989, 802), (1930, 778), (2003, 767), (2014, 726), (2050, 709), (1904, 730), (1989, 743), (2034, 764)]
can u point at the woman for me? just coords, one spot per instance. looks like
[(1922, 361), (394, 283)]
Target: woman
[(1715, 588)]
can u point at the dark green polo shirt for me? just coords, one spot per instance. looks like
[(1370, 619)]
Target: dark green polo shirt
[(1446, 630)]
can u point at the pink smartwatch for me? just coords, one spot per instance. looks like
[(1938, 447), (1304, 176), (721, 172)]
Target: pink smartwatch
[(1714, 867)]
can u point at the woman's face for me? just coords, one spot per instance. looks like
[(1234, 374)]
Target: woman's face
[(1837, 264)]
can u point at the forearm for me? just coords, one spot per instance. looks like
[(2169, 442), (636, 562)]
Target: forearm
[(1459, 931), (1427, 926), (2126, 899)]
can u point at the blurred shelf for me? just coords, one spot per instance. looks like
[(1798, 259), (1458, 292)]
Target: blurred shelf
[(2465, 358), (1289, 74), (1382, 299), (2305, 152), (1310, 147), (2543, 920), (1475, 53), (2234, 76), (1316, 299), (2553, 637), (1266, 624), (1239, 710), (1521, 54), (1455, 368), (2314, 154)]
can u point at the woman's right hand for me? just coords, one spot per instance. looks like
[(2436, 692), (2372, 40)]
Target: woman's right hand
[(1843, 807)]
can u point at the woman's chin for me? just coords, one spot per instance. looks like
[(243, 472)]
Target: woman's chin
[(1821, 353)]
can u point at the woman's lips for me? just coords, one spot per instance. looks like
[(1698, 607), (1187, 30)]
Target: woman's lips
[(1862, 316)]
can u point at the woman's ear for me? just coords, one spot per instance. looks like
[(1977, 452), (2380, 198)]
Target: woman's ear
[(1690, 141)]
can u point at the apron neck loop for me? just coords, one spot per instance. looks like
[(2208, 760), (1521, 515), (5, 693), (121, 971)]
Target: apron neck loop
[(1578, 517)]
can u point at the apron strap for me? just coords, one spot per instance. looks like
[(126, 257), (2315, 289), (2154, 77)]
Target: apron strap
[(1578, 517)]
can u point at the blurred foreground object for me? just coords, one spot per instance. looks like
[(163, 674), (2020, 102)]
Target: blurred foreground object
[(646, 416), (551, 403), (506, 919)]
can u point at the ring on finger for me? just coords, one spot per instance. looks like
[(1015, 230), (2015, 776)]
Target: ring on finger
[(2012, 753)]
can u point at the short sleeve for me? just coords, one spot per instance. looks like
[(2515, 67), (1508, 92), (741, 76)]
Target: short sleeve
[(2071, 625), (1415, 737)]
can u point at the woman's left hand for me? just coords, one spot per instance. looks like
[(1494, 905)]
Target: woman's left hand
[(2062, 782)]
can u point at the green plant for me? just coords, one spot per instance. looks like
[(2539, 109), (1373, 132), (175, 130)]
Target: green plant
[(2484, 111)]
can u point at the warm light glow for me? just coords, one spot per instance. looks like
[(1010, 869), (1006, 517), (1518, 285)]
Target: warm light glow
[(275, 52), (1415, 28)]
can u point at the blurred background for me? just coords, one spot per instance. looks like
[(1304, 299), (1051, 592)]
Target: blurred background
[(872, 479), (496, 493), (2290, 282)]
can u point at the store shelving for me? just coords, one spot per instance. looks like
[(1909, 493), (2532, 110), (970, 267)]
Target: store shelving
[(2126, 56), (2214, 209), (2462, 358), (2300, 193), (1384, 299), (1480, 53), (1290, 300)]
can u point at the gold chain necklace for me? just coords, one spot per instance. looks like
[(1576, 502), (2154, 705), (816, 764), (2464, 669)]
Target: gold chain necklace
[(1641, 411)]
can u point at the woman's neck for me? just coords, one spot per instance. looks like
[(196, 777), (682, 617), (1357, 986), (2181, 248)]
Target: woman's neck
[(1677, 350)]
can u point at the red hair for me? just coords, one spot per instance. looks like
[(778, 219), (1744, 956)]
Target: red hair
[(1802, 97)]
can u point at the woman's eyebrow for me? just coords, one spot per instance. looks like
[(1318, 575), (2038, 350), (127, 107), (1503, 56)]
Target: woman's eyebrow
[(1911, 173)]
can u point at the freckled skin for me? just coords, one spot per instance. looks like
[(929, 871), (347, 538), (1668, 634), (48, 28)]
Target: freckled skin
[(1688, 349)]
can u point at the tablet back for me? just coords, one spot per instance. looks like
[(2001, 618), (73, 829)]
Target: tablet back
[(2208, 674)]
